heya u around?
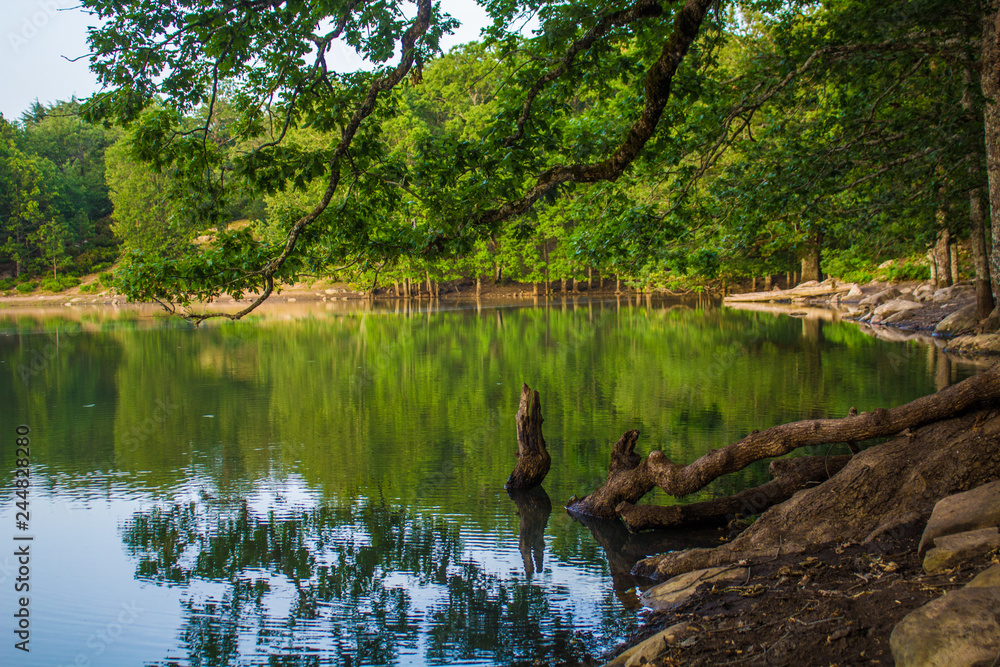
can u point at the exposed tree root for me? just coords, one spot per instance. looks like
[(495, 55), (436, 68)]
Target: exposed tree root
[(630, 477), (790, 476), (885, 490)]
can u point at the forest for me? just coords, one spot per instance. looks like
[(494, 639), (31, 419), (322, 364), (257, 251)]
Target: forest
[(659, 144)]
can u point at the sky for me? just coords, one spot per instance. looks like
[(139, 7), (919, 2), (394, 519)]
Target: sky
[(39, 39)]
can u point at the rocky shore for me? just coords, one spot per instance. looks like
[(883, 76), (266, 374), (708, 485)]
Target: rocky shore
[(948, 313)]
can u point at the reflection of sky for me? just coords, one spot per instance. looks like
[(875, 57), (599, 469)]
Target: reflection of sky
[(84, 586)]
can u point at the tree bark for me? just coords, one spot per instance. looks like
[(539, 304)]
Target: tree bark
[(790, 476), (768, 283), (886, 491), (942, 256), (533, 459), (630, 477), (984, 289), (811, 260), (990, 82)]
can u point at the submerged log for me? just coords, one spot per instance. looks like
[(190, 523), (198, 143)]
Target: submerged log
[(630, 477), (533, 459), (790, 476)]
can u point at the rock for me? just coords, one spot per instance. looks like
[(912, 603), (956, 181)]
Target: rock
[(854, 291), (962, 320), (879, 298), (971, 510), (808, 283), (977, 344), (947, 294), (959, 628), (892, 307), (675, 592), (650, 648), (901, 316), (952, 550), (988, 578)]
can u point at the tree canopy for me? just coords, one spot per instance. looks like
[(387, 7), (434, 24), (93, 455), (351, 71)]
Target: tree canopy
[(647, 138)]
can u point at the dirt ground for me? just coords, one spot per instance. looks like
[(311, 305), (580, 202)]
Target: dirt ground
[(833, 607)]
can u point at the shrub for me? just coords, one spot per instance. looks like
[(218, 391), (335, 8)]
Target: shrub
[(51, 285), (90, 288), (24, 288), (106, 279)]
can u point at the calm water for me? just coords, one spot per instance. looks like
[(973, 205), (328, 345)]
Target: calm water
[(326, 487)]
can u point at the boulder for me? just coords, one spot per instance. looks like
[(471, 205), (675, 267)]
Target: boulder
[(948, 294), (992, 323), (651, 648), (901, 316), (962, 320), (879, 298), (971, 510), (988, 578), (854, 291), (675, 592), (977, 344), (952, 550), (892, 307), (959, 628)]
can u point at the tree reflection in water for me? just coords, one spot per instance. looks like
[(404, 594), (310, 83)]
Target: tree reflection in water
[(360, 584)]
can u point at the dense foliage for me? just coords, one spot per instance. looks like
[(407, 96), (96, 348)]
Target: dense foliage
[(54, 203), (655, 141)]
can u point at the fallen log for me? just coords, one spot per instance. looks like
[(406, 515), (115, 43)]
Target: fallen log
[(533, 459), (630, 476), (787, 294), (790, 476)]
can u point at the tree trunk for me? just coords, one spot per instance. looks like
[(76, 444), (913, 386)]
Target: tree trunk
[(563, 285), (618, 284), (789, 476), (590, 278), (886, 491), (430, 285), (497, 274), (811, 259), (768, 283), (955, 277), (406, 287), (479, 286), (533, 459), (984, 290), (753, 284), (942, 256), (630, 477), (534, 288), (990, 82)]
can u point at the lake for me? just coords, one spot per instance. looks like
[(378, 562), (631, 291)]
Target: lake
[(323, 484)]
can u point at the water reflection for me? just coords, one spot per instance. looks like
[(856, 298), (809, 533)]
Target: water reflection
[(533, 508), (366, 583), (325, 487)]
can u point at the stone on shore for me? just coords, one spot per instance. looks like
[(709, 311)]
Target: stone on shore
[(960, 628), (971, 510), (675, 592), (961, 321), (953, 550)]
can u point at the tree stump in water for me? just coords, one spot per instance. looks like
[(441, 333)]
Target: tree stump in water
[(533, 459)]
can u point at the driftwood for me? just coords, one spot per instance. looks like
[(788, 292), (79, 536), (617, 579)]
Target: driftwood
[(787, 294), (630, 477), (533, 459), (883, 494), (790, 476)]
